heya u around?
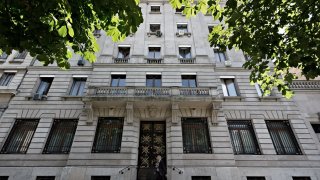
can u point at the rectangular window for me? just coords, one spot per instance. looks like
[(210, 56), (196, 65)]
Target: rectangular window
[(108, 135), (45, 178), (20, 136), (243, 137), (229, 87), (201, 178), (4, 177), (21, 55), (195, 135), (118, 80), (182, 27), (154, 53), (282, 137), (301, 178), (155, 9), (153, 81), (316, 128), (124, 52), (61, 136), (220, 55), (78, 86), (44, 85), (180, 10), (3, 56), (6, 78), (256, 178), (185, 52), (189, 80), (100, 177), (154, 27)]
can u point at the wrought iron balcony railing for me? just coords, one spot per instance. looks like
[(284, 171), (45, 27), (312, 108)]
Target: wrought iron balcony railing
[(187, 60), (154, 60), (121, 60), (304, 84)]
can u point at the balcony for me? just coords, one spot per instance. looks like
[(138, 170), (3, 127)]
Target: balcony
[(127, 92), (187, 60), (154, 60), (305, 85), (121, 60)]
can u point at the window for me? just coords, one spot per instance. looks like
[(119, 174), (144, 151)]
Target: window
[(220, 54), (195, 135), (124, 52), (260, 91), (118, 80), (185, 52), (154, 53), (154, 27), (182, 27), (201, 178), (316, 128), (108, 135), (44, 86), (153, 81), (78, 86), (180, 10), (256, 178), (155, 9), (301, 178), (282, 137), (6, 78), (243, 137), (4, 177), (210, 28), (45, 178), (100, 177), (20, 136), (229, 88), (61, 136), (3, 56), (189, 80), (21, 55)]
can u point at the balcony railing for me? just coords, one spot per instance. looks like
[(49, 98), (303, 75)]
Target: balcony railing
[(154, 60), (121, 60), (305, 84), (187, 60), (151, 91)]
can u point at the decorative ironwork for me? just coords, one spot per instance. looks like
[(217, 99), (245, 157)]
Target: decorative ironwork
[(298, 84), (243, 138), (194, 91), (154, 60), (152, 91), (195, 135), (61, 136), (108, 135), (112, 91), (20, 136), (121, 60), (187, 60), (283, 137)]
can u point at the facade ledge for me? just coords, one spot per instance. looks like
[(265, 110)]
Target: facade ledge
[(7, 90), (233, 98), (72, 98), (269, 98)]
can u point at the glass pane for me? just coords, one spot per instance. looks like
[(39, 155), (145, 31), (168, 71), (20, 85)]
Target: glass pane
[(157, 82), (114, 82), (192, 83), (149, 83), (231, 87), (185, 83), (122, 82)]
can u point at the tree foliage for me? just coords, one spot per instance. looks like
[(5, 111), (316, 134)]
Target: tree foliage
[(278, 35), (51, 28)]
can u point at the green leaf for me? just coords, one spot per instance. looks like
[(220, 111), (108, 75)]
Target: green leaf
[(62, 31), (70, 30)]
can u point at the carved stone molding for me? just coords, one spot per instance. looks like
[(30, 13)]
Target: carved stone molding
[(175, 113), (87, 108), (129, 108), (216, 107)]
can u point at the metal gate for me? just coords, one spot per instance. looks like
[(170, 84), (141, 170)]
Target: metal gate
[(152, 143)]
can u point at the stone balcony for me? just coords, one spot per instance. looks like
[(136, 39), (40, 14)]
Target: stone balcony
[(305, 85)]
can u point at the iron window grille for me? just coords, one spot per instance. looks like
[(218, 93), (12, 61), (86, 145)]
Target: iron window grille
[(100, 177), (243, 137), (21, 55), (78, 86), (256, 178), (108, 135), (220, 54), (4, 177), (201, 178), (301, 178), (153, 81), (189, 81), (20, 136), (118, 80), (6, 79), (154, 53), (45, 178), (61, 136), (316, 128), (44, 85), (4, 55), (283, 137), (195, 135), (185, 52)]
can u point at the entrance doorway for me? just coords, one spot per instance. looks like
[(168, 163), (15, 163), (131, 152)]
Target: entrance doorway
[(152, 143)]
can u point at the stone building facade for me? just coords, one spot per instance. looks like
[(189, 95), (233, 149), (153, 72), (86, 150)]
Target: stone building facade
[(164, 91)]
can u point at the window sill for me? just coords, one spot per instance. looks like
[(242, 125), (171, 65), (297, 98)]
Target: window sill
[(233, 98), (269, 98), (31, 98), (16, 61), (154, 12), (7, 90), (69, 97), (184, 34)]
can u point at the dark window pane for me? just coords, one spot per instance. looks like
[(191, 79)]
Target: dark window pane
[(4, 177), (189, 81), (124, 52), (21, 55), (44, 86), (154, 52), (195, 135), (231, 88), (6, 79), (61, 136), (301, 178), (108, 135), (316, 128), (100, 177), (220, 54), (180, 10), (78, 86), (45, 178), (243, 138), (256, 178), (154, 27), (153, 81), (182, 27), (155, 8), (118, 80), (3, 56), (20, 136), (184, 52), (282, 137), (201, 178)]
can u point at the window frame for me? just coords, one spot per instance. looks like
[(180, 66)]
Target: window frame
[(154, 27), (154, 78), (155, 12), (118, 78), (21, 55), (183, 52), (219, 53), (181, 28), (226, 90), (6, 78), (83, 82), (46, 90), (154, 51), (188, 79), (123, 55)]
